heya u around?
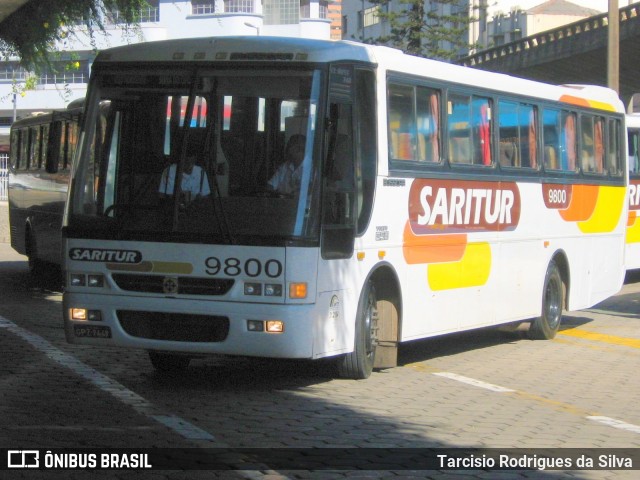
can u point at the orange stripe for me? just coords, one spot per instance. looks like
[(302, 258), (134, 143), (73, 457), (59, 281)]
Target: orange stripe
[(631, 219), (583, 203), (432, 248), (581, 102)]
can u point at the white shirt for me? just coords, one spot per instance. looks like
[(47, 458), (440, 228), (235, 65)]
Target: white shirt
[(195, 182), (286, 179)]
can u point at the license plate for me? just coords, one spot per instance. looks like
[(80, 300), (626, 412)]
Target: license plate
[(92, 331)]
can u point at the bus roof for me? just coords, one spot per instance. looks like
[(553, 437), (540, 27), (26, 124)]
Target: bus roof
[(288, 49)]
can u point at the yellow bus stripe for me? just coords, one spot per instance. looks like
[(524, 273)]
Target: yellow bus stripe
[(601, 337)]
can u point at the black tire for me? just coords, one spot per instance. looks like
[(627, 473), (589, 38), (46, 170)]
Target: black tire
[(547, 324), (36, 266), (358, 364), (168, 362)]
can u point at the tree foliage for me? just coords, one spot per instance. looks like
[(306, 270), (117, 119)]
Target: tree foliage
[(31, 32), (418, 27)]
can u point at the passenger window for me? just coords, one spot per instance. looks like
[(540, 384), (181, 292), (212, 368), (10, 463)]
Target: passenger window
[(634, 145), (414, 123), (517, 135), (559, 140), (592, 144), (469, 122), (614, 164)]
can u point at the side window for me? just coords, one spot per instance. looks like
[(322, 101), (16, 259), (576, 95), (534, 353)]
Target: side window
[(469, 129), (15, 149), (634, 144), (517, 135), (366, 146), (614, 148), (559, 140), (414, 123), (402, 140), (591, 144)]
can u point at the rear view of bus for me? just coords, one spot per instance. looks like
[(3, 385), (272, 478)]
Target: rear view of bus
[(180, 238)]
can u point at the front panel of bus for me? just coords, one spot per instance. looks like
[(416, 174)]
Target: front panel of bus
[(179, 237)]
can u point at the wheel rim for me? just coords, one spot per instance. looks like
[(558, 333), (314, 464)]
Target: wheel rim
[(553, 300), (370, 326)]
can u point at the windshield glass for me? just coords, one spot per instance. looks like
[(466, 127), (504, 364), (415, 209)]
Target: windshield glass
[(222, 155)]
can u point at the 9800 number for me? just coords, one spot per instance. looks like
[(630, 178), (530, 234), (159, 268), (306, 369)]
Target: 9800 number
[(251, 267)]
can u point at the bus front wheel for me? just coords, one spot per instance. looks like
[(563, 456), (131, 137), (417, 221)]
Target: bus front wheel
[(168, 362), (547, 324), (36, 266), (358, 364)]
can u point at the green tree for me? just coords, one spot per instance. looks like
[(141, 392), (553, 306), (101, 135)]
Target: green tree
[(31, 32), (418, 27)]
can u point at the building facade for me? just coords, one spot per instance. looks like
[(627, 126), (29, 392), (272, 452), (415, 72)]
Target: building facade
[(493, 22), (163, 19)]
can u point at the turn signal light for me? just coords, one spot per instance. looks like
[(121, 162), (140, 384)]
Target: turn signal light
[(298, 290)]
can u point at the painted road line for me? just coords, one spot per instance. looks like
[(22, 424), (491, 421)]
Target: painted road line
[(556, 405), (115, 389), (601, 337), (612, 422), (179, 425), (474, 382)]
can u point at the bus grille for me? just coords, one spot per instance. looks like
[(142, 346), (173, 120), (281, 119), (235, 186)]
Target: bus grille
[(186, 285), (179, 327)]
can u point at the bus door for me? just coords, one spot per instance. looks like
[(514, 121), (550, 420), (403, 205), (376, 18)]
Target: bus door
[(338, 199)]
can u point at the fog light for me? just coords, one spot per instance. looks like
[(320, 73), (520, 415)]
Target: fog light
[(94, 315), (275, 326), (77, 280), (273, 290), (255, 325), (95, 280), (253, 289), (298, 290), (79, 314)]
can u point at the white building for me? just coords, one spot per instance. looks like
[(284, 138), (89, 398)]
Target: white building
[(164, 19), (511, 25)]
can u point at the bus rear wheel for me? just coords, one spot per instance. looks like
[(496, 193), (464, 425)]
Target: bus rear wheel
[(168, 362), (358, 364), (547, 324)]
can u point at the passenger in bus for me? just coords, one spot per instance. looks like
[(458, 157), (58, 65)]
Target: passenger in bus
[(194, 185), (286, 180)]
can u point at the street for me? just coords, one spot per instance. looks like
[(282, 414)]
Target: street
[(482, 389)]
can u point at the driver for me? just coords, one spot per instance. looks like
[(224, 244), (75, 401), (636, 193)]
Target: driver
[(286, 180), (194, 184)]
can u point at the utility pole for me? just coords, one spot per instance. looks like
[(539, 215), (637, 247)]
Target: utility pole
[(613, 47)]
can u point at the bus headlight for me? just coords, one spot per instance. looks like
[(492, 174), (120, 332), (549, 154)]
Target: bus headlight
[(273, 290), (253, 289), (275, 326), (95, 280), (77, 280), (81, 280), (82, 314)]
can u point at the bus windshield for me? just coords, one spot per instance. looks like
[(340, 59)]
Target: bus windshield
[(224, 156)]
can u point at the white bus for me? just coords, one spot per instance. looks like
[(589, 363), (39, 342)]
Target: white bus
[(42, 146), (633, 226), (431, 198)]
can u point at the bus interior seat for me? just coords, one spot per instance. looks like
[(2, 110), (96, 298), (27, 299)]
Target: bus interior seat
[(550, 157), (459, 150), (508, 154)]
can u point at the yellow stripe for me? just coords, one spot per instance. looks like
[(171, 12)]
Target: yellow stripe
[(471, 271), (601, 337)]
